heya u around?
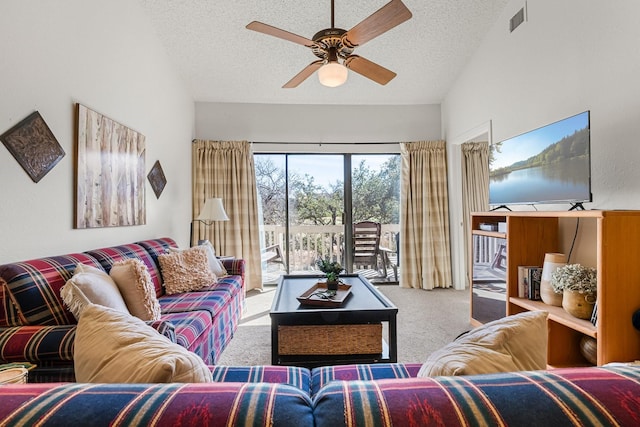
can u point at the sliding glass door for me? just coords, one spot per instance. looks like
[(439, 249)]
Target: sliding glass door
[(375, 198), (304, 199), (315, 211)]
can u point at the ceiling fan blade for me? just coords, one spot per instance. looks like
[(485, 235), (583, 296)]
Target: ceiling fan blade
[(369, 69), (304, 74), (388, 16), (277, 32)]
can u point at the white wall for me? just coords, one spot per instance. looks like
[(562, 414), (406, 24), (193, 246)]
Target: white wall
[(317, 123), (570, 56), (105, 55)]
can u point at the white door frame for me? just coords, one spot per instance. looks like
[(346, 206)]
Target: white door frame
[(458, 264)]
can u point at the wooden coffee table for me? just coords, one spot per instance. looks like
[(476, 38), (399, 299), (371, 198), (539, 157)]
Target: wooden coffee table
[(311, 336)]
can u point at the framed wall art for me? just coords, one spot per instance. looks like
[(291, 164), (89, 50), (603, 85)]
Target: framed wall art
[(110, 172), (157, 179), (33, 145)]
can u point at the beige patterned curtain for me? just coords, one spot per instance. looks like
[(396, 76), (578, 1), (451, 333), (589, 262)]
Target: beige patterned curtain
[(425, 252), (225, 169), (475, 189)]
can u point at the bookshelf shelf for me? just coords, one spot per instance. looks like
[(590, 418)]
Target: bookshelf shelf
[(490, 234), (606, 240), (558, 315)]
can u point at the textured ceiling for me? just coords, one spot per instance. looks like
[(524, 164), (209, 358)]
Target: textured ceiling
[(221, 61)]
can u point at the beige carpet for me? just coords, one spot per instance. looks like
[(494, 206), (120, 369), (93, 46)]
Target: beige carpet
[(427, 320)]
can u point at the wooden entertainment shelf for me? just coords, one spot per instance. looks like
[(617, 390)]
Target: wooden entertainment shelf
[(606, 240)]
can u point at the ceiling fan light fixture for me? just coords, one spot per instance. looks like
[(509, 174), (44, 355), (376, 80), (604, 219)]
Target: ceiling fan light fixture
[(333, 74), (334, 46)]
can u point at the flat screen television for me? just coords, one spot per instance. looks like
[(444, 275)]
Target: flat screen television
[(550, 164)]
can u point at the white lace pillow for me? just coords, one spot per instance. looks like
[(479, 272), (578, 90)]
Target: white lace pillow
[(91, 285)]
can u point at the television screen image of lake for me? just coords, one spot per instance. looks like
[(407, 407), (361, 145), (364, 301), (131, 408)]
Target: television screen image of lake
[(563, 181)]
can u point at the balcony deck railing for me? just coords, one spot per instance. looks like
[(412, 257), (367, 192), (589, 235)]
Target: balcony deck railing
[(308, 243)]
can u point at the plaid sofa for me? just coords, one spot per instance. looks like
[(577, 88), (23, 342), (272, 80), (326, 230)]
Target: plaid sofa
[(353, 395), (36, 327)]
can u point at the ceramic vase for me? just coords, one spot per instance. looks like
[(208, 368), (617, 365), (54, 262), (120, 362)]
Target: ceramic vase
[(551, 263), (589, 349)]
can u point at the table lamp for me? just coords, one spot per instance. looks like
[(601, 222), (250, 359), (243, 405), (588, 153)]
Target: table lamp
[(212, 211)]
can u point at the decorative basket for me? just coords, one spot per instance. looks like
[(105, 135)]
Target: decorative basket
[(13, 376), (577, 304), (330, 339)]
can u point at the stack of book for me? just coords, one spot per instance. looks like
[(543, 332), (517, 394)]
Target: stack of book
[(529, 281)]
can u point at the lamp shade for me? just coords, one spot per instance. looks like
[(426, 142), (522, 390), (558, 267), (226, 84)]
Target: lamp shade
[(333, 74), (213, 211)]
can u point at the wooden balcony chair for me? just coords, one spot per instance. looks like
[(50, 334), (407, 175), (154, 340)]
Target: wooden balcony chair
[(273, 254), (366, 244)]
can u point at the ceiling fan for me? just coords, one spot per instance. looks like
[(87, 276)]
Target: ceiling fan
[(335, 46)]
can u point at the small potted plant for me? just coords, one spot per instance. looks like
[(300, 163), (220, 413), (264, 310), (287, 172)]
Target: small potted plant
[(332, 270), (578, 285)]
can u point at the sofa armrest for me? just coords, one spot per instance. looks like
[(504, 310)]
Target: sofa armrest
[(164, 328), (234, 267), (35, 344)]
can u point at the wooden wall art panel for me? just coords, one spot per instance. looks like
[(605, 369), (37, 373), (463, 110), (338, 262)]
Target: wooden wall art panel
[(110, 190)]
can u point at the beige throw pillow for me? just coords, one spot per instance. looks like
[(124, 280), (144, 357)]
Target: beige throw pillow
[(513, 343), (214, 263), (186, 270), (115, 347), (134, 281), (91, 285)]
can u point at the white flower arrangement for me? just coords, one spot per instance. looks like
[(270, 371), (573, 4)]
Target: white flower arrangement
[(574, 277)]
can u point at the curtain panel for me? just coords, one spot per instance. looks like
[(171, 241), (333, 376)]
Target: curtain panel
[(425, 252), (225, 169), (475, 190)]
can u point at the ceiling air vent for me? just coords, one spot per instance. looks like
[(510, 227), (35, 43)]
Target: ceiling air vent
[(516, 20)]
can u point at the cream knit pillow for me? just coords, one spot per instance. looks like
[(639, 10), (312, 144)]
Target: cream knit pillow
[(215, 265), (115, 347), (186, 270), (134, 281)]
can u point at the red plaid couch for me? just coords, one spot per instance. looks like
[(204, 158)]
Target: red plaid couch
[(36, 327), (353, 395)]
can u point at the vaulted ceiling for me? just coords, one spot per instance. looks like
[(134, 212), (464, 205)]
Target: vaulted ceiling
[(222, 61)]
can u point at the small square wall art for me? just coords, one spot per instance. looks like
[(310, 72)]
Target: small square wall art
[(33, 145), (157, 179)]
